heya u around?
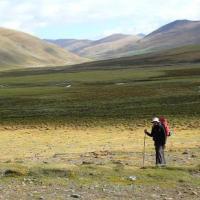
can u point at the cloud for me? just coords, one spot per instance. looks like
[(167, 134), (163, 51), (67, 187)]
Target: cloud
[(133, 16)]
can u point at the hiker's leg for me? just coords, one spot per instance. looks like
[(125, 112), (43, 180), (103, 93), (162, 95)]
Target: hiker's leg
[(163, 155), (157, 155), (160, 160)]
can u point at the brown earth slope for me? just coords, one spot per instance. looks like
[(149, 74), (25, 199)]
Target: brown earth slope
[(176, 34), (21, 49)]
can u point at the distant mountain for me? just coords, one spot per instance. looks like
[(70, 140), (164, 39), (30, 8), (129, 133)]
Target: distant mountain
[(102, 48), (76, 46), (105, 50), (21, 49), (111, 38), (173, 35), (72, 45), (176, 34), (141, 35)]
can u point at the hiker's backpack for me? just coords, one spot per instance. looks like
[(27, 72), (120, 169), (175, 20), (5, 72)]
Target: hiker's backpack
[(165, 124)]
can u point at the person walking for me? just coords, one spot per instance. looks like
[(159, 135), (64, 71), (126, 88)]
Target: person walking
[(159, 137)]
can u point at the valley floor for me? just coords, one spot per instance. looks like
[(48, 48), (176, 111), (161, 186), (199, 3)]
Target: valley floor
[(96, 163)]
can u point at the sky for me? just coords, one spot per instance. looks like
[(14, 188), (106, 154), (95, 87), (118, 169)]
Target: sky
[(93, 19)]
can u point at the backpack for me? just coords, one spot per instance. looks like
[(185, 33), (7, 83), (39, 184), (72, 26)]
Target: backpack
[(165, 124)]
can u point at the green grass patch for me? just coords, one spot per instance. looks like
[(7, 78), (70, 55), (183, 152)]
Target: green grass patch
[(93, 174), (103, 95), (165, 177)]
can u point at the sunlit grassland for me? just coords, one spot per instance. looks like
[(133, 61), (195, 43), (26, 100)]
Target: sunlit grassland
[(54, 156)]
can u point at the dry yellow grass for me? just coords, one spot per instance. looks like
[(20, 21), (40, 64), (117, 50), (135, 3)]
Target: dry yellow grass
[(33, 144), (90, 161)]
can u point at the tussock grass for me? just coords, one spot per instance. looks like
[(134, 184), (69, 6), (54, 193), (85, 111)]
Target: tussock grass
[(50, 172), (13, 170)]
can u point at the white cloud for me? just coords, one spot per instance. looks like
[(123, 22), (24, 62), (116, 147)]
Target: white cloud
[(142, 15)]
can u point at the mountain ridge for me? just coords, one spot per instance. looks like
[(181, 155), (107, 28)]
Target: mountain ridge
[(21, 49), (175, 34), (101, 47)]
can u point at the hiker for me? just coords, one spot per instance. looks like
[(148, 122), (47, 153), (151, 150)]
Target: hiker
[(159, 136)]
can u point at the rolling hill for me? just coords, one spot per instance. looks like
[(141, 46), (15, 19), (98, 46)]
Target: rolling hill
[(99, 49), (173, 35), (110, 38), (71, 45), (177, 33), (75, 45), (189, 54), (21, 49), (106, 50)]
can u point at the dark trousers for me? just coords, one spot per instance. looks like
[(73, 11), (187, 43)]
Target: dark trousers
[(160, 158)]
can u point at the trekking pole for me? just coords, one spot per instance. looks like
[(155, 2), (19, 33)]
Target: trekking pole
[(144, 151)]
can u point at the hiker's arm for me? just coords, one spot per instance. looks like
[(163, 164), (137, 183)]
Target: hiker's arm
[(147, 133)]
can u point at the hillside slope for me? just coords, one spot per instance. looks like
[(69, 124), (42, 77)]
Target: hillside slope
[(108, 49), (187, 55), (180, 55), (176, 34), (103, 48), (72, 45), (21, 49), (173, 35)]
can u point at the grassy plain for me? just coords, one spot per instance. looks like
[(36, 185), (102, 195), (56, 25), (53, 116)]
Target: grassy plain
[(137, 92), (79, 130)]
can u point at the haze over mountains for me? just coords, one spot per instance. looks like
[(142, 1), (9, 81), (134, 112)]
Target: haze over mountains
[(21, 49), (72, 45), (176, 34), (99, 49), (77, 46)]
